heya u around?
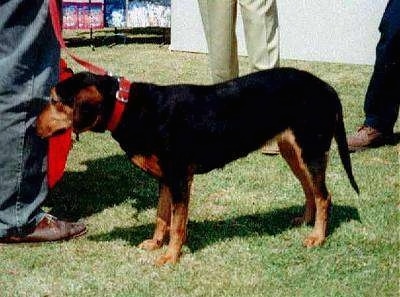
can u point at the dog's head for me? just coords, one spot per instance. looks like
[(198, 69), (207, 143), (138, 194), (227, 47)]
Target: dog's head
[(80, 102)]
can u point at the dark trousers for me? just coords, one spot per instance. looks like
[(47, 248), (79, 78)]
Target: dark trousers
[(29, 57), (381, 104)]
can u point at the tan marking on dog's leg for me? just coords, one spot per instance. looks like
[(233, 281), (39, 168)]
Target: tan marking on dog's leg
[(148, 164), (178, 229), (323, 203), (291, 152), (163, 220), (318, 235), (177, 235)]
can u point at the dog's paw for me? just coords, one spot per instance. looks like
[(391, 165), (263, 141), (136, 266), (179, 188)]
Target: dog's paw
[(313, 240), (166, 259), (150, 245)]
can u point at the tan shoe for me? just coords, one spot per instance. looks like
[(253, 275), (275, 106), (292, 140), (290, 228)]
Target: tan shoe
[(364, 138), (270, 148)]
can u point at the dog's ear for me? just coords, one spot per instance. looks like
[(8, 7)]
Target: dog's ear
[(87, 108), (68, 89)]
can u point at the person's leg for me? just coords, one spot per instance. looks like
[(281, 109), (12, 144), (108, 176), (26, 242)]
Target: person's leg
[(29, 56), (260, 21), (382, 99), (383, 95), (25, 75), (219, 21)]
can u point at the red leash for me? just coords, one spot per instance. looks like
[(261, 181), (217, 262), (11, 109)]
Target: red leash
[(122, 95), (60, 145), (56, 21)]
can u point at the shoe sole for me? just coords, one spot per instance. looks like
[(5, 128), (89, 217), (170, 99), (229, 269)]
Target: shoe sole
[(370, 146), (35, 243)]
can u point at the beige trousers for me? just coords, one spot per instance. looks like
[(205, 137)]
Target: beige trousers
[(260, 21)]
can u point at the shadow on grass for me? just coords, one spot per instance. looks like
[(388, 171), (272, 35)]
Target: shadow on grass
[(114, 180), (202, 234), (395, 139), (106, 182), (153, 35)]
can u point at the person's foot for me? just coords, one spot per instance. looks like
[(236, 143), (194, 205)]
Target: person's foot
[(49, 229), (364, 138), (270, 148)]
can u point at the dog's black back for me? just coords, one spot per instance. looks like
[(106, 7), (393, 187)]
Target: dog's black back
[(212, 125)]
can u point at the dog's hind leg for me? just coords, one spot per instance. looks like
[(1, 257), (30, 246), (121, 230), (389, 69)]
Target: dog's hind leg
[(317, 167), (311, 173), (179, 219), (291, 152), (163, 220)]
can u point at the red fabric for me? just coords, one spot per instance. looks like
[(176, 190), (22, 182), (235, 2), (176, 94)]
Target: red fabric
[(59, 145)]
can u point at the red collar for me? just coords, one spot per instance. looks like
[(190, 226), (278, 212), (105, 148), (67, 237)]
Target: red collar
[(121, 99)]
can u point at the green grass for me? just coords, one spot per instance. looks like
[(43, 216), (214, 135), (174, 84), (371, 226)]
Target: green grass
[(241, 242)]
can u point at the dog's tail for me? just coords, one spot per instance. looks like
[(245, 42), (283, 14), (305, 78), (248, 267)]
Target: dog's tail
[(340, 137)]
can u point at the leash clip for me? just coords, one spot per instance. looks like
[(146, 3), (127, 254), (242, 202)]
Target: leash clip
[(121, 98), (122, 94)]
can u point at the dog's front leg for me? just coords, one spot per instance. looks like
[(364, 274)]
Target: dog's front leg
[(163, 220), (179, 220)]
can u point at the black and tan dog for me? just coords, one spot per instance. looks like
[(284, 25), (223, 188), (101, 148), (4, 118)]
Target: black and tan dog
[(176, 131)]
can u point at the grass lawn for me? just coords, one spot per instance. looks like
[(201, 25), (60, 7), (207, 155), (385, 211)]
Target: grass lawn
[(241, 242)]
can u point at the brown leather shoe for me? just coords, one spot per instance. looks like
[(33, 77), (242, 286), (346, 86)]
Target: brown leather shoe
[(49, 229), (364, 138), (270, 148)]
